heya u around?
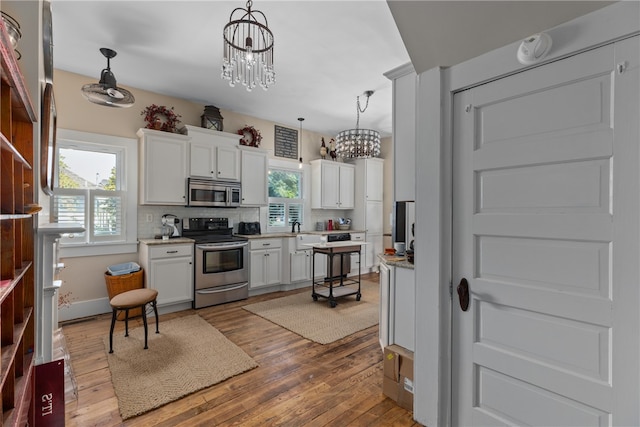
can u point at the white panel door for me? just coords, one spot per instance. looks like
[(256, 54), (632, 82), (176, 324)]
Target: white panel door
[(546, 233)]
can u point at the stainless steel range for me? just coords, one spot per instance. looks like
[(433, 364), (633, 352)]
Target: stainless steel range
[(221, 261)]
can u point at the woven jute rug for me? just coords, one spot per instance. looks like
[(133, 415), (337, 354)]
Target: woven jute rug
[(188, 355), (316, 320)]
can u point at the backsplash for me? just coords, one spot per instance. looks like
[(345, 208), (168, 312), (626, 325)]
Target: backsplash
[(147, 230)]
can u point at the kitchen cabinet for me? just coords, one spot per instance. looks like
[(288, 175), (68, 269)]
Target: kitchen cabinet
[(405, 84), (265, 258), (332, 185), (213, 154), (163, 167), (254, 167), (169, 269), (397, 306), (368, 209), (17, 269), (300, 266)]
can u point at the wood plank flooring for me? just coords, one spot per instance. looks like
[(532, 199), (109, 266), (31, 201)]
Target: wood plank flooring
[(298, 382)]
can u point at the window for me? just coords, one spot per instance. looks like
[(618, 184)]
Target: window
[(92, 187), (286, 203)]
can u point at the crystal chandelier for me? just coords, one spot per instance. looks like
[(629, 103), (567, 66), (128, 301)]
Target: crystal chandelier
[(358, 143), (248, 49)]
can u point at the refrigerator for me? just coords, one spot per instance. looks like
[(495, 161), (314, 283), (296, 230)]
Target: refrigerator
[(404, 216)]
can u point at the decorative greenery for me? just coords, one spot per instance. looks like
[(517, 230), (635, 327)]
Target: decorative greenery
[(257, 136), (160, 117)]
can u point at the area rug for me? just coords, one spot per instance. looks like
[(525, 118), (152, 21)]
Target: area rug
[(188, 355), (316, 320)]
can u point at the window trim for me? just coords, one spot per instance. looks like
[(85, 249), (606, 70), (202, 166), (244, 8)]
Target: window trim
[(129, 186), (306, 193)]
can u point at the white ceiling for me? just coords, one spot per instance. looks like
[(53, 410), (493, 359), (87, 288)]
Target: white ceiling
[(326, 52)]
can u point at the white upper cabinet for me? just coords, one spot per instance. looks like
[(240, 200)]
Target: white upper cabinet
[(404, 132), (213, 154), (332, 185), (254, 169), (163, 167)]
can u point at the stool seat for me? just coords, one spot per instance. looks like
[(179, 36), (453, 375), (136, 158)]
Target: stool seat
[(133, 299)]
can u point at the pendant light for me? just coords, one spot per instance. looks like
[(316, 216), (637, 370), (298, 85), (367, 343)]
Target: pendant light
[(248, 49), (358, 143), (300, 119)]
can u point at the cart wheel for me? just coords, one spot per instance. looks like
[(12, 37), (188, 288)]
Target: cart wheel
[(315, 297), (358, 296), (333, 303)]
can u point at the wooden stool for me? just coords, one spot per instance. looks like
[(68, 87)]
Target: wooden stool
[(133, 299)]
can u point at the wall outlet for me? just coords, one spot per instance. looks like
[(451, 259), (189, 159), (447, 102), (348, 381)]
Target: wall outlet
[(149, 217)]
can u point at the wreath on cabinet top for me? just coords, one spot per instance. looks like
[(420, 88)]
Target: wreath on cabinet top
[(159, 117), (250, 136)]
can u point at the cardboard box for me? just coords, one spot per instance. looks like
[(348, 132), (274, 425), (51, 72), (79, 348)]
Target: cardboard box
[(398, 361), (398, 375)]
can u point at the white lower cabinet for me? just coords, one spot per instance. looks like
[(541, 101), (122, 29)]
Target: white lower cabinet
[(397, 306), (300, 266), (169, 270), (265, 260)]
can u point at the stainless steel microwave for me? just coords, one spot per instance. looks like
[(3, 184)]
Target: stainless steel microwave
[(210, 193)]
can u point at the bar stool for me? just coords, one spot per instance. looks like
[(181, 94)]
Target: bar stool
[(133, 299)]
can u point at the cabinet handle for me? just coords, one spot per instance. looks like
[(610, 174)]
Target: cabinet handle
[(172, 252), (266, 244)]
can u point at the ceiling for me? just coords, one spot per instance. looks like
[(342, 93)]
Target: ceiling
[(326, 52)]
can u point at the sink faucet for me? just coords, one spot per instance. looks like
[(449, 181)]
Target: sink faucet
[(293, 227)]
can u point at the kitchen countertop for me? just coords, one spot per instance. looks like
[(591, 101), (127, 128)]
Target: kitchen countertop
[(288, 234), (396, 261), (171, 241)]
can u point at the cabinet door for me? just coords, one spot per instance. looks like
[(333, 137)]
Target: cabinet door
[(173, 279), (320, 267), (227, 163), (374, 180), (300, 268), (254, 168), (165, 171), (385, 328), (373, 248), (257, 269), (404, 311), (202, 156), (347, 187), (273, 266), (330, 185), (373, 217)]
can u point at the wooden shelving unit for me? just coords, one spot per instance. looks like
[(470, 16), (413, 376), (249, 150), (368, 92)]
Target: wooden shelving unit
[(17, 229)]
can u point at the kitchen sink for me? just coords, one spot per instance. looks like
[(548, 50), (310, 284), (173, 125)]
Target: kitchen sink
[(306, 239)]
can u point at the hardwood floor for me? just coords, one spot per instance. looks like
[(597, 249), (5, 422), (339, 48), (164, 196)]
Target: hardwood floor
[(298, 382)]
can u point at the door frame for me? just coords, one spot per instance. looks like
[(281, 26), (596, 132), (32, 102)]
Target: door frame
[(434, 124)]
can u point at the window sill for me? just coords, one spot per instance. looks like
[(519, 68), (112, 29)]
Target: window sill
[(97, 249)]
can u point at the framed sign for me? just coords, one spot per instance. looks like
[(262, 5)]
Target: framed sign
[(286, 143), (48, 140)]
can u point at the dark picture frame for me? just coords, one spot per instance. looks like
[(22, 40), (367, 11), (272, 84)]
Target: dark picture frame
[(48, 140)]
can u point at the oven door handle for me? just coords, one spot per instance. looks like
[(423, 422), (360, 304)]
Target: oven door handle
[(221, 246), (223, 289)]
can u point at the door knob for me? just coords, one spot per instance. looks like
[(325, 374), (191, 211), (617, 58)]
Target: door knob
[(463, 294)]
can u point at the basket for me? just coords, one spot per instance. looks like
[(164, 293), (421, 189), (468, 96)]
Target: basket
[(122, 283), (344, 226)]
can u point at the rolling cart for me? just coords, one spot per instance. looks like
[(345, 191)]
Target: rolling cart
[(333, 287)]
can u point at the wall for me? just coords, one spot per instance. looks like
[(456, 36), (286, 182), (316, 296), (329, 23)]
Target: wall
[(83, 280)]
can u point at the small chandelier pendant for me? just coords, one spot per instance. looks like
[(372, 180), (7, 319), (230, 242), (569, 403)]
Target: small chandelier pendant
[(248, 49), (358, 143)]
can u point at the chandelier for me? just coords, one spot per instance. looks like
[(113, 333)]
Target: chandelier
[(248, 49), (358, 143)]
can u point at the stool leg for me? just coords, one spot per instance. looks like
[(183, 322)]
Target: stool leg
[(113, 323), (126, 322), (155, 311), (144, 320)]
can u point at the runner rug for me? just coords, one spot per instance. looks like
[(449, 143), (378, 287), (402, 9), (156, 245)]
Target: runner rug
[(316, 320), (188, 355)]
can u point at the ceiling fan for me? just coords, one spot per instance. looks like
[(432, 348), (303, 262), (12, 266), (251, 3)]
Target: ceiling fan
[(106, 92)]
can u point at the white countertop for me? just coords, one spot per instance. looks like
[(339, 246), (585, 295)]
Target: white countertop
[(342, 244)]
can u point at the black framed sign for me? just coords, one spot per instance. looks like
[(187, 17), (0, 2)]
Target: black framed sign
[(286, 142)]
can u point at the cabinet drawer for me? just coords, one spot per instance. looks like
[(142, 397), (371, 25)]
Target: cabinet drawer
[(169, 251), (264, 244), (358, 237)]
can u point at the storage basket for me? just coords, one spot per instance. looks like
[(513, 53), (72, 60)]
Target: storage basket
[(122, 283)]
